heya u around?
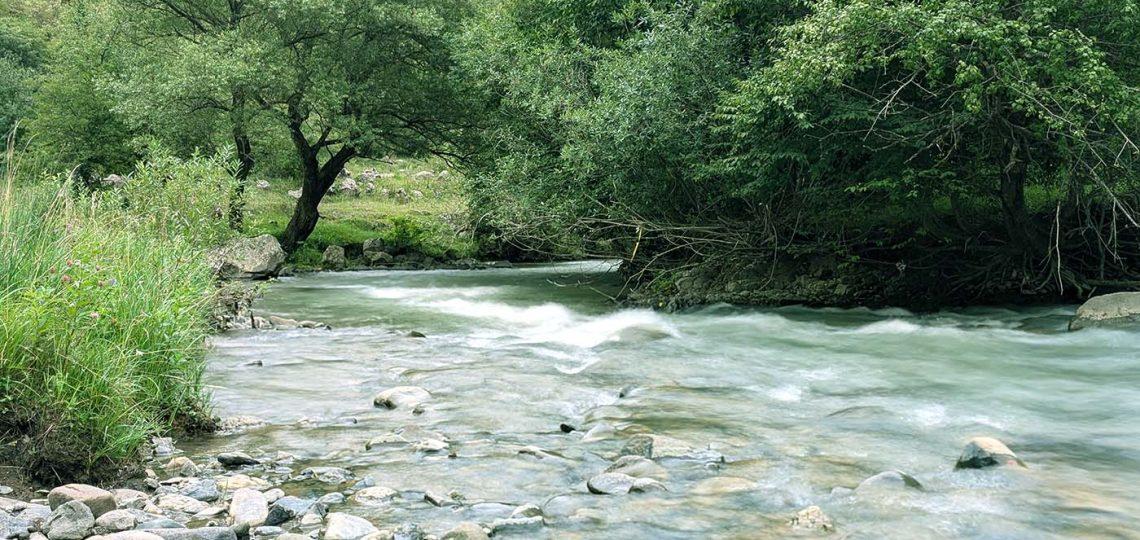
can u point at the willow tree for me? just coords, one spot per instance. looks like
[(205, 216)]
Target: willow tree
[(341, 78)]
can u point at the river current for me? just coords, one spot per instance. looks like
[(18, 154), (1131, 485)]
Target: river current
[(783, 406)]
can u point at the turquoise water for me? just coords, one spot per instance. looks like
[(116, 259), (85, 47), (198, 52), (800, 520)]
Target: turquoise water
[(793, 402)]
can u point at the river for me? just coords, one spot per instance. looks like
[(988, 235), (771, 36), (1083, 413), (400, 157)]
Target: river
[(794, 402)]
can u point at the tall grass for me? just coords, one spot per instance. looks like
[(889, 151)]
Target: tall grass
[(104, 302)]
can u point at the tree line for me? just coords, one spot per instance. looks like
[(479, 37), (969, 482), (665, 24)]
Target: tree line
[(981, 148)]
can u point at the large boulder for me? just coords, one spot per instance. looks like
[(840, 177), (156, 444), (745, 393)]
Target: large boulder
[(71, 520), (99, 501), (259, 257), (1115, 309), (333, 258), (984, 452)]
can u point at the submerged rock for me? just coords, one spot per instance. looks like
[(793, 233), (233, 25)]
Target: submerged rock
[(812, 518), (983, 452), (723, 485), (618, 484), (889, 480), (599, 432), (401, 396), (515, 524), (1115, 309), (466, 531), (638, 467), (328, 475), (374, 496), (638, 445), (98, 501), (343, 526)]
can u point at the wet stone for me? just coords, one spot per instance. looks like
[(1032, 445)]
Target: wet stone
[(328, 475), (985, 452), (287, 508), (812, 518), (889, 480), (638, 445), (233, 460)]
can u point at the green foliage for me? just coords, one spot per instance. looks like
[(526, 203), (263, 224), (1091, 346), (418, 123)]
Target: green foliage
[(104, 320)]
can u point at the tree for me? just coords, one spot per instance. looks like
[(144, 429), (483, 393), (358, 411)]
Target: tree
[(342, 78)]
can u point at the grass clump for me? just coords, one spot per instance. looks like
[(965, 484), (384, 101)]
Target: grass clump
[(105, 299), (433, 224)]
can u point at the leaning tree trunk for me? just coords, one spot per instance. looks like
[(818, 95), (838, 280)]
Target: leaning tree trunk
[(317, 181)]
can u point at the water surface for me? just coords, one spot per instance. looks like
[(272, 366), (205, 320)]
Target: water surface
[(794, 401)]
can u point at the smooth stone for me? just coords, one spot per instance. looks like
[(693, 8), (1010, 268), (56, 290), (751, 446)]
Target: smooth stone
[(812, 518), (341, 526), (182, 466), (638, 445), (1122, 308), (889, 480), (202, 489), (527, 510), (238, 481), (401, 396), (723, 485), (211, 512), (181, 503), (638, 467), (374, 496), (70, 520), (618, 483), (268, 531), (328, 475), (248, 507), (272, 495), (159, 523), (332, 498), (466, 531), (233, 460), (287, 508), (116, 521), (99, 501), (201, 533), (984, 452)]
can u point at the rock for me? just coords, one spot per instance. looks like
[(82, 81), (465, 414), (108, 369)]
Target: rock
[(238, 424), (99, 501), (638, 445), (723, 485), (6, 490), (232, 460), (889, 480), (70, 520), (415, 334), (349, 187), (407, 531), (181, 466), (334, 258), (295, 193), (983, 452), (288, 507), (159, 523), (294, 536), (248, 258), (466, 531), (328, 475), (378, 257), (238, 481), (343, 526), (527, 510), (415, 437), (129, 498), (332, 498), (248, 507), (812, 518), (202, 489), (211, 512), (113, 181), (13, 526), (262, 184), (181, 503), (272, 495), (515, 524), (618, 484), (268, 532), (201, 533), (401, 396), (115, 521), (374, 496), (638, 467), (132, 535), (1114, 309)]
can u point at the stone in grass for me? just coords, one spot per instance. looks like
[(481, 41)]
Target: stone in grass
[(341, 526), (401, 396), (812, 518), (99, 501), (984, 452), (70, 520)]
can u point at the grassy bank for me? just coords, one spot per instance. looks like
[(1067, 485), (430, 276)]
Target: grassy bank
[(434, 224), (105, 299)]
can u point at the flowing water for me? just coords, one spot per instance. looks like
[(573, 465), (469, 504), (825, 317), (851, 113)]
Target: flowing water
[(795, 402)]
